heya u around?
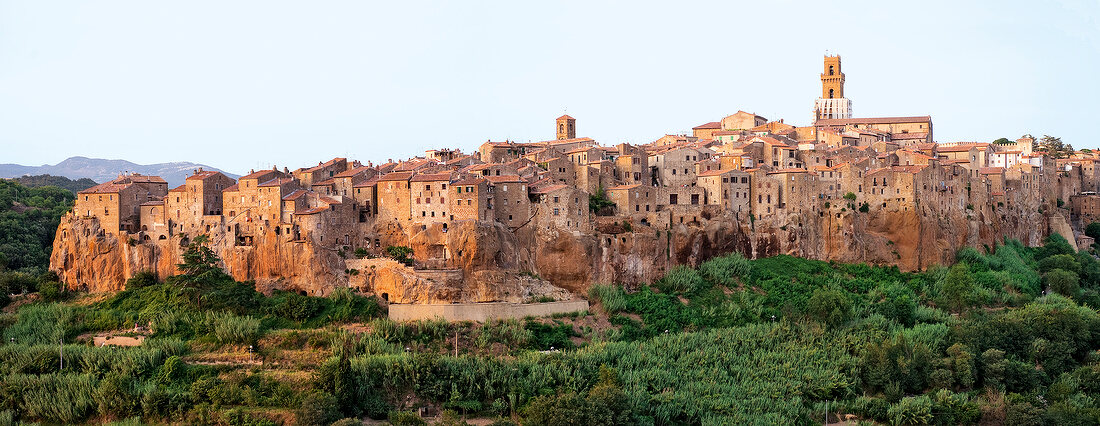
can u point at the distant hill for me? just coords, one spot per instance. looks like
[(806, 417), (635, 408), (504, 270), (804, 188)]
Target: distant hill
[(59, 181), (101, 170)]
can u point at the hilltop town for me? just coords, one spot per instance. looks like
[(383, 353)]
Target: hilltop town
[(513, 220)]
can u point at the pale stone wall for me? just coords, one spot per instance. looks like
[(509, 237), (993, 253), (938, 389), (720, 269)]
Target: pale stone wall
[(482, 312)]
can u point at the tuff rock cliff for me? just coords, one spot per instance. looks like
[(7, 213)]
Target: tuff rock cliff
[(486, 261)]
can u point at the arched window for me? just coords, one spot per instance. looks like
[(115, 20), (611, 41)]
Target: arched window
[(561, 128), (830, 93), (830, 70)]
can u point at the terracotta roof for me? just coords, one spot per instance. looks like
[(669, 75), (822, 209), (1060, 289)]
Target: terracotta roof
[(788, 171), (566, 117), (369, 182), (909, 136), (396, 176), (294, 195), (872, 120), (353, 171), (180, 188), (153, 203), (565, 141), (329, 181), (436, 177), (259, 174), (715, 172), (624, 187), (990, 170), (325, 164), (121, 183), (277, 182), (469, 181), (955, 148), (231, 188), (202, 175), (711, 125)]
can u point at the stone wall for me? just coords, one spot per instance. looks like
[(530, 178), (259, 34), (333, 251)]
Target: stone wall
[(482, 312)]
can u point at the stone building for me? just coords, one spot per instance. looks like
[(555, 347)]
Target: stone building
[(560, 206), (728, 189), (470, 200), (394, 197), (508, 200), (320, 172), (429, 197), (632, 199), (116, 203)]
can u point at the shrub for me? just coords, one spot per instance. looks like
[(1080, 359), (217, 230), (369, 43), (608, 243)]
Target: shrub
[(829, 306), (912, 410), (680, 279), (400, 254), (229, 328), (1067, 262), (44, 324), (722, 270), (360, 252), (318, 408), (610, 296), (1062, 282), (405, 418), (851, 196), (864, 208), (141, 279), (51, 291)]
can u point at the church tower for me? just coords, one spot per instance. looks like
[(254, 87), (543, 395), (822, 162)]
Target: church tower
[(567, 127), (832, 103)]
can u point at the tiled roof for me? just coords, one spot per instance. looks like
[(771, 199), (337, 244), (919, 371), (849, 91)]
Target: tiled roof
[(369, 182), (202, 175), (396, 176), (711, 125), (990, 170), (325, 164), (231, 188), (121, 183), (624, 187), (436, 177), (277, 182), (872, 120), (469, 181), (566, 117), (259, 174), (299, 193), (715, 172), (353, 171)]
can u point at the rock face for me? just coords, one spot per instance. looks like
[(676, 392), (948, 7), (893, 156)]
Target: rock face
[(485, 261)]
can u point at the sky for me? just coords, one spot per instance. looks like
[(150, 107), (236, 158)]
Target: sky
[(243, 85)]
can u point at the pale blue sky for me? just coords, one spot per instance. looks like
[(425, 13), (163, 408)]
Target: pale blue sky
[(247, 84)]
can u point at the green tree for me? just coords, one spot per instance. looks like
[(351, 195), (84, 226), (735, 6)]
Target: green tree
[(957, 289), (598, 202), (1062, 282), (830, 306), (1093, 230)]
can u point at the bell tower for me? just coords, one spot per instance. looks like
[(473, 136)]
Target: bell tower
[(567, 127), (832, 103)]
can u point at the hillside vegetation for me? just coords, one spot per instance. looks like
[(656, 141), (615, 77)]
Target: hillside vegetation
[(770, 341)]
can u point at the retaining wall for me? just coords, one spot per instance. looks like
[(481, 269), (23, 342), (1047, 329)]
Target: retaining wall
[(482, 312)]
